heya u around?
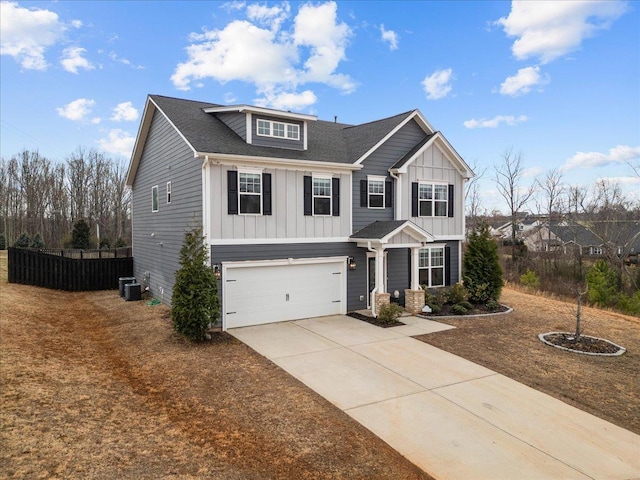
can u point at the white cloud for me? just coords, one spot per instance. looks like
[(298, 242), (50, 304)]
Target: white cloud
[(124, 112), (620, 180), (76, 23), (523, 81), (78, 110), (72, 60), (287, 101), (549, 30), (494, 122), (125, 61), (437, 84), (617, 155), (27, 33), (118, 142), (389, 36), (531, 172), (273, 58)]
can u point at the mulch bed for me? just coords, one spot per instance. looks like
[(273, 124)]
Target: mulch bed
[(583, 344), (478, 309), (374, 321)]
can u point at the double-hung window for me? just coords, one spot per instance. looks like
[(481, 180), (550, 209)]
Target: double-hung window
[(432, 200), (375, 187), (250, 192), (431, 267), (321, 196)]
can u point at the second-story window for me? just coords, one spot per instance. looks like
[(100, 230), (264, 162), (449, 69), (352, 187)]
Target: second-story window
[(249, 189), (321, 196), (432, 200), (376, 192)]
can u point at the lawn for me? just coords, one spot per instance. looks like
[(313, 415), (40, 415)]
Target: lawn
[(608, 387), (93, 387)]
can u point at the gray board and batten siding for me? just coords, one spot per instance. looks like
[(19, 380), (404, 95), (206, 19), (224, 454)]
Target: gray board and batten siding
[(378, 163), (158, 236)]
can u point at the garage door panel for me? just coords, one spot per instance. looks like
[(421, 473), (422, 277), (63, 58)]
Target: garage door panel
[(266, 294)]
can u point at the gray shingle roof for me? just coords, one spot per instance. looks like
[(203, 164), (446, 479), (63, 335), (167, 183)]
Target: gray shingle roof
[(412, 152), (327, 141), (378, 229)]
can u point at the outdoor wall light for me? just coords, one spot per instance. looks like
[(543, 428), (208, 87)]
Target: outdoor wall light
[(351, 262), (216, 271)]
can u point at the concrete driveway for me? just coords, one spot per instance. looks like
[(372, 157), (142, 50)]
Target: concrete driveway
[(451, 417)]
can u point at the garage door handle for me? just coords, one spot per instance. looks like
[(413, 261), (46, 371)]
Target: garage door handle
[(337, 301), (230, 313), (230, 280)]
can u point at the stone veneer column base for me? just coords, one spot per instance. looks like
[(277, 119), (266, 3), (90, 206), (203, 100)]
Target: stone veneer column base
[(382, 299), (413, 301)]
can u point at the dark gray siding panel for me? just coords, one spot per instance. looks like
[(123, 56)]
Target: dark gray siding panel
[(398, 271), (454, 259), (274, 141), (356, 279), (158, 236), (236, 122), (378, 164)]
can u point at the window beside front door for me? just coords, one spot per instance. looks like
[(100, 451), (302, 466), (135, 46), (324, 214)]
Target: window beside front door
[(432, 267)]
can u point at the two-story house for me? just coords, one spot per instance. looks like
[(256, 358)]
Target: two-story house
[(303, 217)]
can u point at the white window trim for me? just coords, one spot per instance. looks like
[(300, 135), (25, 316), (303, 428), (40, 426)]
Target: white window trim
[(168, 193), (428, 268), (433, 199), (155, 194), (286, 128), (313, 195), (384, 193), (254, 172)]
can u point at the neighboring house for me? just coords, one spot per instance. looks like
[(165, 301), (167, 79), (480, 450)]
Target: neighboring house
[(303, 217)]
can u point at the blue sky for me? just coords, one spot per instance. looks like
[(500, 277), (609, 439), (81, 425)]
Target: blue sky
[(557, 81)]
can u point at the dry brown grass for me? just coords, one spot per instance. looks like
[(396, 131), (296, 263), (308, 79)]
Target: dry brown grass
[(93, 387), (608, 387)]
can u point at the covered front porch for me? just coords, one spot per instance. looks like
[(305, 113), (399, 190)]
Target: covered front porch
[(378, 238)]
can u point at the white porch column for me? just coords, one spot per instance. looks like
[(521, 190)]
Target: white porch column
[(415, 270), (380, 286)]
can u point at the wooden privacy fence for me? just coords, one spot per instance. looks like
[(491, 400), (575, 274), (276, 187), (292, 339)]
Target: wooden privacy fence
[(72, 270)]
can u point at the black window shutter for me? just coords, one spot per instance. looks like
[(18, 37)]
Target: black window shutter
[(450, 198), (232, 192), (308, 198), (447, 265), (363, 193), (414, 199), (266, 194), (335, 193), (388, 194)]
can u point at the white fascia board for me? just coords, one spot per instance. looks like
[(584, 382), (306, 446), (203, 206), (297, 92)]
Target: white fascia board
[(413, 231), (403, 168), (444, 238), (261, 110), (464, 169), (414, 115), (281, 262), (272, 162), (459, 163), (276, 241), (145, 125)]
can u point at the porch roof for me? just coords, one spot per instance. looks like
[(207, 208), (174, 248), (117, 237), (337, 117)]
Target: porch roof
[(392, 233)]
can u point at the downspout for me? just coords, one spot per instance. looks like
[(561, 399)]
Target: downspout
[(375, 288), (397, 210)]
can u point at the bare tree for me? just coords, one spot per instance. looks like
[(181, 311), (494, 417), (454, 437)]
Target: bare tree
[(508, 176), (472, 196), (551, 189)]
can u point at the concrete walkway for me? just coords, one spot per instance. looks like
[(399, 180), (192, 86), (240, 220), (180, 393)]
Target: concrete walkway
[(451, 417)]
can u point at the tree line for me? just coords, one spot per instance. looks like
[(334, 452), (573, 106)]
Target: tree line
[(42, 198)]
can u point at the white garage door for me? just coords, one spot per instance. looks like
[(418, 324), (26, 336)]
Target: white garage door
[(273, 293)]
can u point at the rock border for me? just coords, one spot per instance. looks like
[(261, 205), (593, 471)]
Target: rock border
[(621, 349), (436, 317)]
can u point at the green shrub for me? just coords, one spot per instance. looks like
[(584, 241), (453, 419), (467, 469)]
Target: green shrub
[(37, 242), (434, 297), (530, 279), (23, 241), (389, 313), (81, 235), (466, 304), (435, 308), (194, 303), (630, 305), (482, 267), (457, 293), (492, 305), (3, 242), (120, 243), (602, 284), (459, 309), (104, 243)]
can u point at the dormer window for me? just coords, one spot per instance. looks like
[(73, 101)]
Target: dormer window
[(268, 128)]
